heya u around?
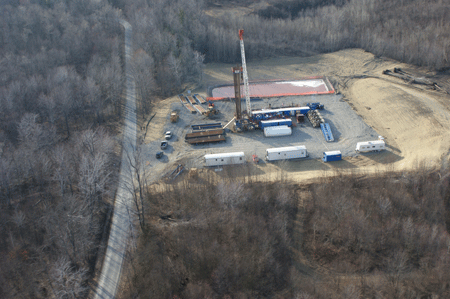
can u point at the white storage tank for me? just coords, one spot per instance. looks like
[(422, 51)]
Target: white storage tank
[(277, 131), (286, 153), (371, 146), (225, 159)]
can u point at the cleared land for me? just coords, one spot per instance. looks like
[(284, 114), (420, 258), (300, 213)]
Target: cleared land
[(413, 120)]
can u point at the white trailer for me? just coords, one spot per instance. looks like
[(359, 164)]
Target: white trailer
[(286, 153), (371, 146), (225, 159), (277, 131)]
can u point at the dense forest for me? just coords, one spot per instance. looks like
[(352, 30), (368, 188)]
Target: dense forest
[(349, 237), (61, 87)]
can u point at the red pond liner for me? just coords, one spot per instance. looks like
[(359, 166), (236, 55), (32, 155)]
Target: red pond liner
[(315, 85)]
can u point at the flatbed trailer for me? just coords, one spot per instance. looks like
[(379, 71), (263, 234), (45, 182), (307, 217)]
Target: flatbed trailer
[(183, 99), (204, 133), (199, 98), (191, 100), (190, 108), (206, 126), (206, 139), (200, 109)]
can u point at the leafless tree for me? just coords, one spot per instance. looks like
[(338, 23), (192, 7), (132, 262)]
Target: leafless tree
[(67, 281), (143, 69), (138, 181)]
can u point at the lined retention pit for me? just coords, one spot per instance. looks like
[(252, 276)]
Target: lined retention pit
[(277, 88)]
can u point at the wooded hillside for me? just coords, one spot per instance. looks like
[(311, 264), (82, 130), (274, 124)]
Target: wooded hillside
[(349, 237), (61, 88)]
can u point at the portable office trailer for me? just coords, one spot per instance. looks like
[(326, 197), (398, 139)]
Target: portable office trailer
[(332, 156), (286, 153), (371, 146), (225, 159), (276, 122), (277, 131)]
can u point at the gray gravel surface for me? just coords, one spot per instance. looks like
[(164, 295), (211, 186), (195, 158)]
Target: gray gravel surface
[(347, 128)]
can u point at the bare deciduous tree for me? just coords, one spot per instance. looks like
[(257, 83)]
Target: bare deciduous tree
[(67, 281)]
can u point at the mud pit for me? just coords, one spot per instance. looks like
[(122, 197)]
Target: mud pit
[(414, 121), (278, 88)]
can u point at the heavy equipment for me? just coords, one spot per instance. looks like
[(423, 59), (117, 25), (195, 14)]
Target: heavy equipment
[(211, 110), (174, 116)]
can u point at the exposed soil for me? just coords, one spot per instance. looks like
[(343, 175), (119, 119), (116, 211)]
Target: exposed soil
[(413, 120)]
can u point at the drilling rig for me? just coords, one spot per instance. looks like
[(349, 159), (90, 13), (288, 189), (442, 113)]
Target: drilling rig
[(241, 123)]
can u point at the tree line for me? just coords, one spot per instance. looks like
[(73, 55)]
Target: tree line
[(410, 31)]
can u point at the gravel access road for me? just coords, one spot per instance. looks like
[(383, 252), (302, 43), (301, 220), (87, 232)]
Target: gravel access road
[(120, 227)]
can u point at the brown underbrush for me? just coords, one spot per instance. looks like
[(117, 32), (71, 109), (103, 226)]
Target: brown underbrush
[(349, 236)]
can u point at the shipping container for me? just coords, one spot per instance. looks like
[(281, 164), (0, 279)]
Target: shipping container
[(225, 159), (277, 131), (276, 122), (332, 156), (371, 146), (286, 153)]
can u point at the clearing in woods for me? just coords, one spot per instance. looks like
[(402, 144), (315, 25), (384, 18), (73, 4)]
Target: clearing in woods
[(414, 120)]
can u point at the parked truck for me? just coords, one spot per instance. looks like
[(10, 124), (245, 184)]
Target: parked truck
[(225, 159), (174, 116), (277, 131), (286, 153)]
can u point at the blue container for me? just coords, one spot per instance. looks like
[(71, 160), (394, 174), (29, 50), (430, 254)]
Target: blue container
[(326, 130), (332, 156)]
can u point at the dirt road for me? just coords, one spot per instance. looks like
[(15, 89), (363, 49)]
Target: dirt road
[(120, 227)]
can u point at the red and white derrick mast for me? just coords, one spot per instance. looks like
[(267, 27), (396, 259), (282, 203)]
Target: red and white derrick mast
[(244, 69)]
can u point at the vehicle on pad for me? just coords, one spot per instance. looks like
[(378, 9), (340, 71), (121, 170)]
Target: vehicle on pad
[(159, 155), (164, 144), (168, 135), (315, 106)]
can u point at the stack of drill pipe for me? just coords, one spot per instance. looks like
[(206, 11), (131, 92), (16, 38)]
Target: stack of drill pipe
[(315, 118), (321, 120)]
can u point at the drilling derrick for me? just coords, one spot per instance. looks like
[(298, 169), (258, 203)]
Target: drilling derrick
[(244, 69), (237, 91)]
